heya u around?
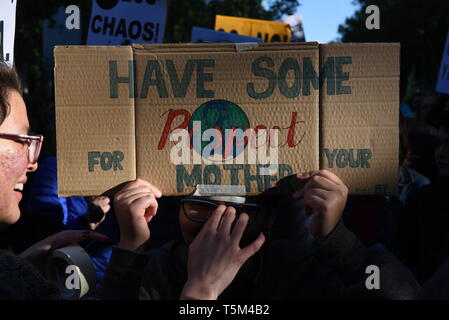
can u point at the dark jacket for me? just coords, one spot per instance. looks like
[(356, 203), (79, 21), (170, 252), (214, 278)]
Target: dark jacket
[(335, 268), (20, 281)]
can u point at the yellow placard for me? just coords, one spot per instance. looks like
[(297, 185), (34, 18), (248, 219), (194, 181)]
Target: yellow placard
[(268, 31)]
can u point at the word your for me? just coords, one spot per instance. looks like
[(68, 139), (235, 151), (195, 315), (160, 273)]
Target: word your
[(373, 280), (73, 20), (106, 160), (167, 80), (352, 158), (373, 20)]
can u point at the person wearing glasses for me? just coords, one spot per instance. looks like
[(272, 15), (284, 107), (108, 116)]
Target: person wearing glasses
[(20, 276), (226, 252)]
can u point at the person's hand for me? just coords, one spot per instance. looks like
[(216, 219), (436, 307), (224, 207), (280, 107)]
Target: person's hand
[(135, 205), (325, 198), (97, 213), (38, 253), (215, 256)]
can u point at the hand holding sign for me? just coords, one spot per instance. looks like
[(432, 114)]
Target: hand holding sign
[(325, 198), (135, 206)]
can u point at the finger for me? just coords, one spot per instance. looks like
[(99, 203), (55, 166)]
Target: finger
[(239, 228), (252, 248), (136, 196), (315, 204), (228, 218), (144, 183), (214, 220), (321, 182), (128, 192), (101, 201), (305, 175), (331, 176), (321, 193), (151, 210)]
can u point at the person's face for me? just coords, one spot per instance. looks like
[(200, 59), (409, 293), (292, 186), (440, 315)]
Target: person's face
[(258, 222), (442, 153), (14, 162)]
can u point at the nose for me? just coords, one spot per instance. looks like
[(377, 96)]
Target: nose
[(32, 167)]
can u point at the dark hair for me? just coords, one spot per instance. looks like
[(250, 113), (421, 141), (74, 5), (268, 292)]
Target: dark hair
[(9, 80)]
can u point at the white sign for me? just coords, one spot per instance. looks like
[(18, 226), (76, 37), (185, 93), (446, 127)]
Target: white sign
[(7, 30), (443, 76), (121, 22)]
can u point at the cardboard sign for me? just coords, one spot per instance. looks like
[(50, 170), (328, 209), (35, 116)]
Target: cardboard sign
[(443, 76), (180, 115), (268, 31), (7, 30), (208, 35), (127, 21)]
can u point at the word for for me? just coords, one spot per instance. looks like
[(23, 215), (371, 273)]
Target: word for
[(106, 160), (158, 74), (213, 174)]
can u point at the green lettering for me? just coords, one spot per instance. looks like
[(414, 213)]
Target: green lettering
[(190, 180), (287, 65), (212, 170), (330, 157), (114, 79), (342, 76), (153, 66), (202, 77), (258, 71), (180, 87), (310, 76)]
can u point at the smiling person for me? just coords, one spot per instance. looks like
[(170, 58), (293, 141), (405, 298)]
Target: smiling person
[(19, 150)]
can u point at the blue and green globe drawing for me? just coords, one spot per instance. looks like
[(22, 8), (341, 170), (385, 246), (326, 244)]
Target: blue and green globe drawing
[(222, 115)]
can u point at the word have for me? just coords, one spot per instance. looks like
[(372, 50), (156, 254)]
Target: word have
[(158, 74)]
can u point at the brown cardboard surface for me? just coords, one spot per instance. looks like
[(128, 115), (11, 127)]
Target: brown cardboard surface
[(87, 120), (184, 77), (231, 72)]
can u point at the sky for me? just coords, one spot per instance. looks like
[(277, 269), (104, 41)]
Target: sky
[(322, 17)]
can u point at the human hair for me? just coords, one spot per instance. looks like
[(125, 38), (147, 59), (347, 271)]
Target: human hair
[(9, 80)]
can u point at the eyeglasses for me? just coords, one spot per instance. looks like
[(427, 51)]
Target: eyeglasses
[(197, 210), (34, 144)]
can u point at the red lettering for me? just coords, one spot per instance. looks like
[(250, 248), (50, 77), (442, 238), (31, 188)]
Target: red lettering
[(172, 114)]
